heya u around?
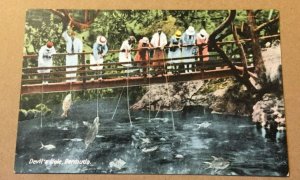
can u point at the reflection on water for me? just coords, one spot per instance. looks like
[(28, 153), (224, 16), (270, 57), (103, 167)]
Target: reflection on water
[(224, 145)]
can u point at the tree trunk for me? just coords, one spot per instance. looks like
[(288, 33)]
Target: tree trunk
[(242, 52), (256, 50), (212, 41)]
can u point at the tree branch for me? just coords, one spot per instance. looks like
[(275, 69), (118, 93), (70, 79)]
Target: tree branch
[(58, 13), (225, 24), (242, 51), (212, 41), (66, 17), (246, 74), (270, 22), (224, 35)]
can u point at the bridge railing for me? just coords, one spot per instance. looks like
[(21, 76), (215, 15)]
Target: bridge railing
[(85, 72), (116, 70)]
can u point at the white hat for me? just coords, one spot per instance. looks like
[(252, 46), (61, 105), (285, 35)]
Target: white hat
[(101, 40), (190, 31), (202, 34), (145, 40)]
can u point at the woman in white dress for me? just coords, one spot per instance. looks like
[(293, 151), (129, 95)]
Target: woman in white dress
[(125, 55), (100, 49), (45, 58), (188, 39)]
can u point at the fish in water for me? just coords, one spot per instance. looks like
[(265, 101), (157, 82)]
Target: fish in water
[(218, 163), (86, 123), (74, 140), (66, 105), (140, 133), (47, 147), (179, 156), (117, 164), (203, 125), (145, 150), (91, 134), (145, 140), (164, 120)]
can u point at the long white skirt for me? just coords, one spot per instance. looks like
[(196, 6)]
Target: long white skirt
[(71, 60), (122, 59), (96, 61), (44, 63)]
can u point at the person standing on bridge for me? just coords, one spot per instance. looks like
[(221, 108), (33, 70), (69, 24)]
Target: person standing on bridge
[(188, 41), (45, 58), (73, 45), (175, 50), (158, 41), (125, 55), (100, 49), (202, 40), (142, 55)]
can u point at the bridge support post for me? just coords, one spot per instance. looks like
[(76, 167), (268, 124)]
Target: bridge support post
[(201, 60), (84, 73)]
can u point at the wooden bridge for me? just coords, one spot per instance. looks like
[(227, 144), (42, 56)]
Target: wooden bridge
[(116, 74)]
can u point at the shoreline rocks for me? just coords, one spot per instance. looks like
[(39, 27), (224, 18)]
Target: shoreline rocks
[(167, 96), (34, 113), (269, 112)]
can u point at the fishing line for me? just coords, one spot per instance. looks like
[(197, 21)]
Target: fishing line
[(70, 89), (168, 91), (149, 85), (42, 100), (97, 92), (128, 108), (97, 103), (158, 111), (117, 104)]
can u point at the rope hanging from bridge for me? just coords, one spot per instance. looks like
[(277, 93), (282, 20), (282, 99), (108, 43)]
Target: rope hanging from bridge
[(42, 101), (168, 91), (149, 98), (128, 106), (157, 111), (115, 111), (97, 92)]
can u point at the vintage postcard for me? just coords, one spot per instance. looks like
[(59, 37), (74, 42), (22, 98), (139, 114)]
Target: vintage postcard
[(152, 92)]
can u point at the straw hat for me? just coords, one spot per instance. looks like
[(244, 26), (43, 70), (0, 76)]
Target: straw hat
[(190, 31), (101, 40), (177, 33)]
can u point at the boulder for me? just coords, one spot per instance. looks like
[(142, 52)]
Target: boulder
[(22, 115), (267, 113)]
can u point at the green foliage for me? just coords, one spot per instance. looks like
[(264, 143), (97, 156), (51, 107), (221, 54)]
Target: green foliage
[(44, 109), (215, 84), (33, 113), (37, 35)]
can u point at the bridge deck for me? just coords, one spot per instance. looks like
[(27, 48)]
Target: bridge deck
[(124, 81)]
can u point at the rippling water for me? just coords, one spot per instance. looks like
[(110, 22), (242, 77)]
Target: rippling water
[(187, 150)]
